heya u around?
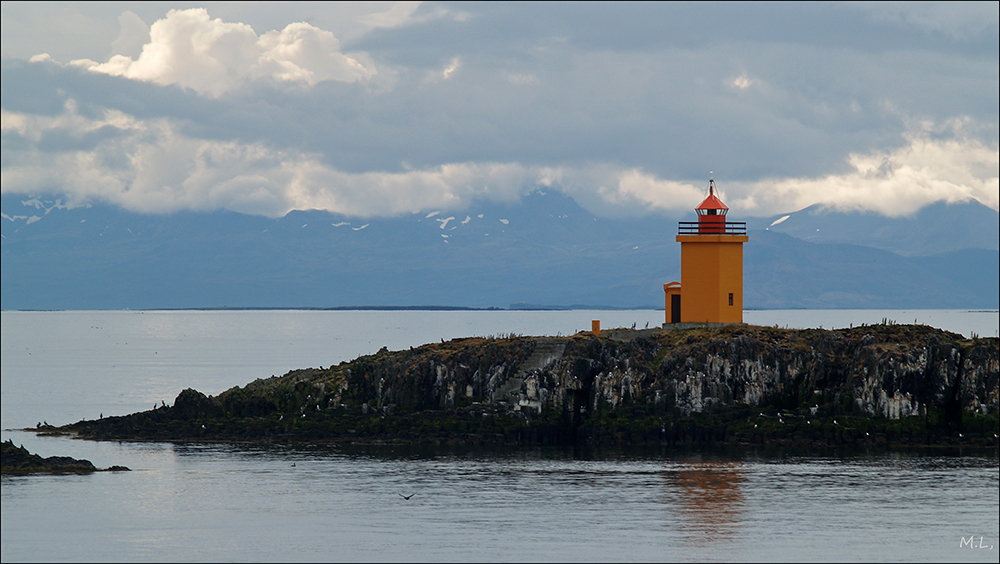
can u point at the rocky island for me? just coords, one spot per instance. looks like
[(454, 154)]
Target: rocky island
[(18, 461), (875, 385)]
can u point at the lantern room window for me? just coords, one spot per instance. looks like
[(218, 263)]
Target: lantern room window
[(711, 211)]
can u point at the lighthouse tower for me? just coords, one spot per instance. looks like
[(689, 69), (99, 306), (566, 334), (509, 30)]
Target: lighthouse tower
[(711, 267)]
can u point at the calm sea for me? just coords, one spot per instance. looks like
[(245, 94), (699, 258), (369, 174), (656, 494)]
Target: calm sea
[(240, 503)]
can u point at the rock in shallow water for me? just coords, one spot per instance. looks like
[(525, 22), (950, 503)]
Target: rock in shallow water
[(17, 460)]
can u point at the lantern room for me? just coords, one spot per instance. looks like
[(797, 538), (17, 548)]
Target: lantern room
[(712, 212)]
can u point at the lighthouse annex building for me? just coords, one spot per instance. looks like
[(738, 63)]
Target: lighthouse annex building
[(711, 286)]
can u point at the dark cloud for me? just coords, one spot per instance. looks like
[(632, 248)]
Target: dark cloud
[(520, 29), (44, 88)]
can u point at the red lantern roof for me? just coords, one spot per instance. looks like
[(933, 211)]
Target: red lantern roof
[(712, 202)]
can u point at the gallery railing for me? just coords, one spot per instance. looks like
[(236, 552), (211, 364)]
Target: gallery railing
[(712, 228)]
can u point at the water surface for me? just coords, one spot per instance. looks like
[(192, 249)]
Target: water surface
[(273, 502)]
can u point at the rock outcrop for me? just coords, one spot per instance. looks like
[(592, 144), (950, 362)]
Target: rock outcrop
[(18, 461), (737, 384)]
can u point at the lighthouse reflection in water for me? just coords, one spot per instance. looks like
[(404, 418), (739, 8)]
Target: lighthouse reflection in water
[(711, 499)]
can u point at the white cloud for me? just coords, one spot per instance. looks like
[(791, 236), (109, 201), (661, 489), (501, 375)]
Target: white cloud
[(189, 49), (155, 165), (447, 73), (451, 68), (936, 162), (147, 167), (894, 183), (742, 82), (151, 166), (303, 53), (652, 192)]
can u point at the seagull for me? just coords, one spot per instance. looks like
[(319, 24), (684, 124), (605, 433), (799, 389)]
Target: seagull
[(406, 496)]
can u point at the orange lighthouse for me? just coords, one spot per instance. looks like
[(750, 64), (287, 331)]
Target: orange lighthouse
[(711, 267)]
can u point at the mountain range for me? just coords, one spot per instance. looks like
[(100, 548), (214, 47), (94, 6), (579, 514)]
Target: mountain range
[(542, 251)]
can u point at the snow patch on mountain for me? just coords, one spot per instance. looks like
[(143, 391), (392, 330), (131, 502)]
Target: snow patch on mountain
[(18, 217), (779, 220)]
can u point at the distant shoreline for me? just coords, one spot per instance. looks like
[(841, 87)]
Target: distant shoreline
[(512, 307)]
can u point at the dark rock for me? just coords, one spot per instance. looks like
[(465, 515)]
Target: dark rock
[(192, 404), (17, 460)]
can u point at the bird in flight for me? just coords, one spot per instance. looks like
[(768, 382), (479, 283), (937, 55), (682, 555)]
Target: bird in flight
[(406, 496)]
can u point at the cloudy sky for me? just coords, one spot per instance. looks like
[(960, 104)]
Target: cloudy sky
[(380, 109)]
